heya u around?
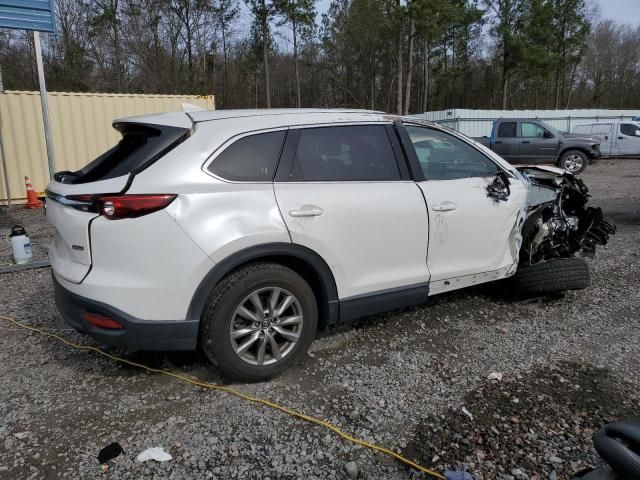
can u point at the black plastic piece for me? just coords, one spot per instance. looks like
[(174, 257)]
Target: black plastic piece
[(109, 452), (383, 301)]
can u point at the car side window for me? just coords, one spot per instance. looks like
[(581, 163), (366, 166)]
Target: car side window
[(530, 129), (347, 153), (507, 130), (629, 129), (253, 158), (445, 157), (600, 128)]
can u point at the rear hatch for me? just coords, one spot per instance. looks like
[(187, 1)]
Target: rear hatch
[(71, 196)]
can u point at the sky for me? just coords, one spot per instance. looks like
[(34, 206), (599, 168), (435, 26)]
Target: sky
[(622, 11)]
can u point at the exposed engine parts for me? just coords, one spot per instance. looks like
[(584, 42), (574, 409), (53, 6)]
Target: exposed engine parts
[(563, 227)]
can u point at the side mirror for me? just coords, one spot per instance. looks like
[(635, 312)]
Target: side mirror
[(637, 133), (547, 134)]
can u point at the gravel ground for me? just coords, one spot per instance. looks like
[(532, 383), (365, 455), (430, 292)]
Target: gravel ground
[(569, 366)]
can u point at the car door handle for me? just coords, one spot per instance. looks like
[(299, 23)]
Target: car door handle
[(620, 138), (497, 142), (526, 141), (306, 211), (444, 207)]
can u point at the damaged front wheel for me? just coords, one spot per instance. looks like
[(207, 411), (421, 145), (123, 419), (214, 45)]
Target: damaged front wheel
[(551, 276)]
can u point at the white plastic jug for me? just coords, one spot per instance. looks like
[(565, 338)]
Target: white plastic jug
[(21, 245)]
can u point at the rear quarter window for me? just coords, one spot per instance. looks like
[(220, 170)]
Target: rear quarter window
[(253, 158)]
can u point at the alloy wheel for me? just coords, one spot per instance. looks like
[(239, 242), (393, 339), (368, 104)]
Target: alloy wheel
[(573, 163), (266, 326)]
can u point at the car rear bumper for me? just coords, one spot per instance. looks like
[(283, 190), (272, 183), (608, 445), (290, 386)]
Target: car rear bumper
[(136, 334)]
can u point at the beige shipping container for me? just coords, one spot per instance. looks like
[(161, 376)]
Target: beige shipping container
[(80, 127)]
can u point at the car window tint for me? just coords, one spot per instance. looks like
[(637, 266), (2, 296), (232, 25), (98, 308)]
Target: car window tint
[(628, 129), (445, 157), (349, 153), (507, 130), (532, 130), (250, 159)]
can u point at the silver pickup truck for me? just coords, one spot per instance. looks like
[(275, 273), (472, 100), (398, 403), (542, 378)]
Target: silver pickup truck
[(527, 141), (616, 138)]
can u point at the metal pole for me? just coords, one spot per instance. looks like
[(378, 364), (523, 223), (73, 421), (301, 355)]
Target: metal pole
[(4, 159), (4, 171), (45, 104)]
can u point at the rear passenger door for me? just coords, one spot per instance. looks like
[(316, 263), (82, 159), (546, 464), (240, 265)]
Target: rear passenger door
[(346, 194), (506, 142)]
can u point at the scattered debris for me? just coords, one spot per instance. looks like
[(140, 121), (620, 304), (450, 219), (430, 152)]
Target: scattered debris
[(21, 435), (495, 376), (467, 413), (457, 475), (109, 452), (352, 469), (154, 453)]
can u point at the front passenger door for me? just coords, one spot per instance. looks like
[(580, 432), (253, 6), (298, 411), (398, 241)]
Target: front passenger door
[(628, 141), (534, 146), (469, 232)]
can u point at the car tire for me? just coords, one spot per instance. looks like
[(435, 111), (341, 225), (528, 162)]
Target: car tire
[(231, 319), (573, 161), (551, 277)]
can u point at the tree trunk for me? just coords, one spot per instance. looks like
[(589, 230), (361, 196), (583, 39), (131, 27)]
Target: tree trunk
[(399, 82), (425, 97), (265, 53), (505, 84), (573, 79), (407, 92), (224, 63), (295, 63)]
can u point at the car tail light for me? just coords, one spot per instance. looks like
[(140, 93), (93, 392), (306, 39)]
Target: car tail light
[(131, 206), (116, 206), (102, 321)]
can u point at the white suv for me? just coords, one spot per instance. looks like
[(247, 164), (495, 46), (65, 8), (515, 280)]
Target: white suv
[(244, 231)]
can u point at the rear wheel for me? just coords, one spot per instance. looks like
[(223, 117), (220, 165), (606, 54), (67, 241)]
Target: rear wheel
[(258, 322), (552, 276), (573, 161)]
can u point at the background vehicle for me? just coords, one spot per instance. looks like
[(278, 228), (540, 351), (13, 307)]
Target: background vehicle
[(521, 141), (245, 230), (616, 138)]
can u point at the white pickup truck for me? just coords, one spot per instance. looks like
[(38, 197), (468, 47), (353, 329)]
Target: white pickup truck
[(617, 138)]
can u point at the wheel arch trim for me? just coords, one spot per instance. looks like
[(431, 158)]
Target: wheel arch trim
[(268, 251)]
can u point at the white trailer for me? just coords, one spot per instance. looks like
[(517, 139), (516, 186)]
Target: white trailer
[(617, 138)]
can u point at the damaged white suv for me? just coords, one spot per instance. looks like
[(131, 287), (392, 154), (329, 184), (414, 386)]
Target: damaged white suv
[(244, 231)]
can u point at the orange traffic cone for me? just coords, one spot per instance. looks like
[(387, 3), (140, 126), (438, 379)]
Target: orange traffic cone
[(32, 199)]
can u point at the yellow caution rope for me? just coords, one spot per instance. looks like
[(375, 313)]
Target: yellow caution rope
[(232, 391)]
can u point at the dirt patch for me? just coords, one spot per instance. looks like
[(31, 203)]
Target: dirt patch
[(534, 424)]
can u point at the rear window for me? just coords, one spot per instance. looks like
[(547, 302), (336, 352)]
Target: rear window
[(250, 159), (507, 130), (140, 146)]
